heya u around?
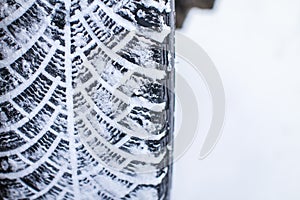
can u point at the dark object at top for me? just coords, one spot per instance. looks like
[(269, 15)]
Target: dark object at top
[(182, 8)]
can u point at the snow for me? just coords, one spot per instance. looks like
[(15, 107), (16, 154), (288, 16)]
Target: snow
[(255, 45)]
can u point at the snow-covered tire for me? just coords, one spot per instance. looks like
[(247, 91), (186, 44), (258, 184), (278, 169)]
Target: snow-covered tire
[(85, 99)]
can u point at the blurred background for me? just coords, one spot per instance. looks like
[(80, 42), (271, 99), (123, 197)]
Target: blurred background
[(255, 45)]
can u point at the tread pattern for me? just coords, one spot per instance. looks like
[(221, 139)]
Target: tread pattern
[(86, 110)]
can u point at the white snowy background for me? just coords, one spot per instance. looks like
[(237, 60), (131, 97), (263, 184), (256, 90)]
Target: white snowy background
[(255, 45)]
